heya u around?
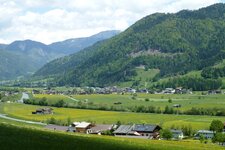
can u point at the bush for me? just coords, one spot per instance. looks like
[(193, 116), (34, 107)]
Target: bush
[(166, 134)]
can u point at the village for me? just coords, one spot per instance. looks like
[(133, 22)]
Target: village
[(141, 131), (117, 90)]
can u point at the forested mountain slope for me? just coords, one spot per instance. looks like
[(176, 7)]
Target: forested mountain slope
[(173, 43), (21, 58)]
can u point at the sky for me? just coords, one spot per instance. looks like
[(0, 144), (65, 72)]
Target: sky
[(49, 21)]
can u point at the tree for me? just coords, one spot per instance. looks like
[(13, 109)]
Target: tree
[(219, 137), (201, 138), (216, 126), (187, 130), (166, 134), (69, 122), (118, 123), (43, 102), (60, 103)]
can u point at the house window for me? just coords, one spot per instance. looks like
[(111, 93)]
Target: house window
[(142, 134), (146, 134)]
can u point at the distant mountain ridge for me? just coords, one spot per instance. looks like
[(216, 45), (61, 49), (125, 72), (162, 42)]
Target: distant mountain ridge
[(74, 45), (174, 44), (31, 55)]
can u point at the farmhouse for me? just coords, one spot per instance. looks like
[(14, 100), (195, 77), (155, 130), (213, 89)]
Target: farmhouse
[(168, 91), (177, 134), (205, 133), (139, 130), (151, 131), (99, 129), (81, 127), (125, 130), (43, 111)]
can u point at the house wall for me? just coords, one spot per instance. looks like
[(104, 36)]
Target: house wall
[(178, 136), (206, 135), (81, 130), (145, 134)]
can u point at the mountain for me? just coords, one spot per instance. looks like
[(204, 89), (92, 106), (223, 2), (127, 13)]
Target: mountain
[(26, 57), (74, 45), (2, 46), (174, 44), (12, 65)]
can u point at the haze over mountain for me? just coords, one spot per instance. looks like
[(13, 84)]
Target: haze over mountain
[(24, 57), (74, 45), (175, 44)]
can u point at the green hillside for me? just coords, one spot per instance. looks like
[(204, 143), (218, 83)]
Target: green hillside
[(175, 44), (14, 137)]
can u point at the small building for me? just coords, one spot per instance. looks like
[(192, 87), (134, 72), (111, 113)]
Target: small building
[(81, 127), (169, 91), (151, 131), (177, 134), (177, 105), (205, 133), (99, 129), (125, 130), (35, 91), (138, 131), (43, 111)]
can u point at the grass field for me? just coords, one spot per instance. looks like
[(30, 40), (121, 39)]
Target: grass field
[(187, 101), (14, 137), (143, 77), (54, 98), (25, 112)]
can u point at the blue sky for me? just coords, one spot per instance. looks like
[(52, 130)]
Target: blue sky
[(48, 21)]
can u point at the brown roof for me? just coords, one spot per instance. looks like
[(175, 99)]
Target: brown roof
[(101, 127)]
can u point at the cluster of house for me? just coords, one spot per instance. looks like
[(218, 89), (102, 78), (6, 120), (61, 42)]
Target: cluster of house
[(178, 90), (8, 93), (214, 92), (89, 90), (110, 90), (144, 131)]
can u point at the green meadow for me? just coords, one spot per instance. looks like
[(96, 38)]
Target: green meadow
[(23, 111), (187, 101), (54, 98)]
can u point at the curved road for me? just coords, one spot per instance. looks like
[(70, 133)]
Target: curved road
[(24, 96), (20, 120)]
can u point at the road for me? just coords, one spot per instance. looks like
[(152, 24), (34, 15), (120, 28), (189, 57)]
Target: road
[(73, 99), (24, 96), (20, 120)]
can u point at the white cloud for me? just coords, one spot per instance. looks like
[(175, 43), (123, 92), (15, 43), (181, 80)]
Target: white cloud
[(53, 20)]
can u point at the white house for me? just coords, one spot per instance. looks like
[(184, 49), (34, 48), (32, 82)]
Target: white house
[(205, 133), (177, 134)]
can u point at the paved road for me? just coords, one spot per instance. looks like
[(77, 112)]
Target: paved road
[(24, 96), (20, 120)]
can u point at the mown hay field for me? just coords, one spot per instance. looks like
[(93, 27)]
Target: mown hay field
[(25, 112)]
